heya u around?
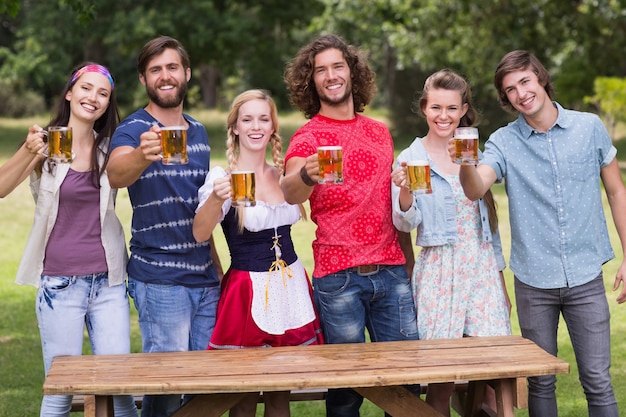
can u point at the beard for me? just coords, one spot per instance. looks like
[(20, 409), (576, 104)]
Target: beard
[(335, 101), (167, 102)]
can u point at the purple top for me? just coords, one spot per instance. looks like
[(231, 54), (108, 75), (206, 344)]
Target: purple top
[(75, 246)]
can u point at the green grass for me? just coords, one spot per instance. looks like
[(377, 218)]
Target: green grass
[(21, 366)]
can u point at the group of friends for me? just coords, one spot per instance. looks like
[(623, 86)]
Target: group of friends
[(366, 279)]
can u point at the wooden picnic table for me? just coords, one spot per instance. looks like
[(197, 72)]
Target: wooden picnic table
[(376, 370)]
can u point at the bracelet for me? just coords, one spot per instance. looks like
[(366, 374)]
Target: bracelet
[(305, 177)]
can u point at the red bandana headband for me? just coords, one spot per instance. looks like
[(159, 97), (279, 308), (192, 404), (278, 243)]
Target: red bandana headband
[(93, 68)]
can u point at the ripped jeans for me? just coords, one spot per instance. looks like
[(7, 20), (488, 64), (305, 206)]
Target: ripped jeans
[(64, 306)]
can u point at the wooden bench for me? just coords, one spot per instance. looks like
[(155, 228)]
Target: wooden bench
[(80, 402), (378, 371)]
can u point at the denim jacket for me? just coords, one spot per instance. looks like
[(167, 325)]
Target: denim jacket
[(434, 215)]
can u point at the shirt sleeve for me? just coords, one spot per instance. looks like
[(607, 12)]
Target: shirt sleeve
[(493, 156), (207, 188), (608, 151), (301, 145)]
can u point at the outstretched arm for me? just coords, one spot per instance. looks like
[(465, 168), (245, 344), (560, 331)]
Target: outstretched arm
[(208, 215), (22, 163), (301, 175), (475, 180), (126, 164)]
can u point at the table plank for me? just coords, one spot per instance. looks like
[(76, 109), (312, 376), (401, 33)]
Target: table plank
[(310, 367)]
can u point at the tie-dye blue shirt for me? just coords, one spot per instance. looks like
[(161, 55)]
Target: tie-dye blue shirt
[(164, 199)]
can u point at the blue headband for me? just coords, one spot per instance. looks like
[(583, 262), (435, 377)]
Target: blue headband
[(93, 68)]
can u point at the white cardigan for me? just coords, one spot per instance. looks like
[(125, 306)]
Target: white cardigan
[(45, 190)]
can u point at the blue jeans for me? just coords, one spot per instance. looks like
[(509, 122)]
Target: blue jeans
[(349, 303), (586, 313), (172, 318), (65, 305)]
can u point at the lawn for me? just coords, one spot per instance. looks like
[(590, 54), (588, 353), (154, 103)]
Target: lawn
[(21, 367)]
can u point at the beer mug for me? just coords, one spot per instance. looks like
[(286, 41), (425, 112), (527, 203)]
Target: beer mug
[(174, 145), (418, 173), (59, 140), (242, 185), (466, 145), (330, 159)]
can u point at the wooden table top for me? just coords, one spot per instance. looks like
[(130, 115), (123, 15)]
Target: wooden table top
[(310, 367)]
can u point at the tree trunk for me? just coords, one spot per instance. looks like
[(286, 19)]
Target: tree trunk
[(209, 78)]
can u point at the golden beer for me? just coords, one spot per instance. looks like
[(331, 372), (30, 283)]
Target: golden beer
[(330, 159), (418, 173), (466, 145), (60, 144), (243, 185), (174, 145)]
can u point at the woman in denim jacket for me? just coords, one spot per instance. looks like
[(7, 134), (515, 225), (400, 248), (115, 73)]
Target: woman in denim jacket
[(76, 251), (457, 281)]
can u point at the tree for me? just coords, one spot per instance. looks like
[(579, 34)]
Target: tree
[(577, 41), (239, 40), (610, 99)]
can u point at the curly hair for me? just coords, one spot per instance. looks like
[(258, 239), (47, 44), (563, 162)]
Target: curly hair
[(520, 61), (298, 75)]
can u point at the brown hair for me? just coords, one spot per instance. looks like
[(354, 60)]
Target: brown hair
[(449, 80), (156, 47), (446, 79), (520, 61), (104, 127), (298, 75)]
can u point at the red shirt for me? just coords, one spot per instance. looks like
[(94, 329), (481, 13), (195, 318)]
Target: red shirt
[(353, 219)]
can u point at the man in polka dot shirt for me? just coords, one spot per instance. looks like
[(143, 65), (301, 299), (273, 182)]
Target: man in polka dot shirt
[(359, 279), (553, 161)]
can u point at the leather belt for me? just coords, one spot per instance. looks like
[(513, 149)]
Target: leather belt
[(366, 269)]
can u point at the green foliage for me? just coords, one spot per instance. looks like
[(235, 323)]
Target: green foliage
[(242, 44), (16, 103), (576, 42), (9, 7), (610, 98)]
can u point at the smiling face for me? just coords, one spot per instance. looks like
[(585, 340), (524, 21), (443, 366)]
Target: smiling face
[(525, 92), (254, 125), (90, 96), (443, 111), (166, 79), (331, 76)]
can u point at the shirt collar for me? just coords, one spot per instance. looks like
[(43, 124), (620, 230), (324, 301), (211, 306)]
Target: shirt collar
[(563, 120)]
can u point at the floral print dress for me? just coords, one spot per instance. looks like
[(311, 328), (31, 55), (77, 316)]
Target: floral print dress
[(457, 287)]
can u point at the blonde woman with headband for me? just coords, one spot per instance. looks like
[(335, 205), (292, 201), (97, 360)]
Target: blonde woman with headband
[(266, 295), (76, 251)]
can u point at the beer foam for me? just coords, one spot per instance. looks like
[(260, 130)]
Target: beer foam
[(465, 133), (466, 136), (329, 148), (418, 162)]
